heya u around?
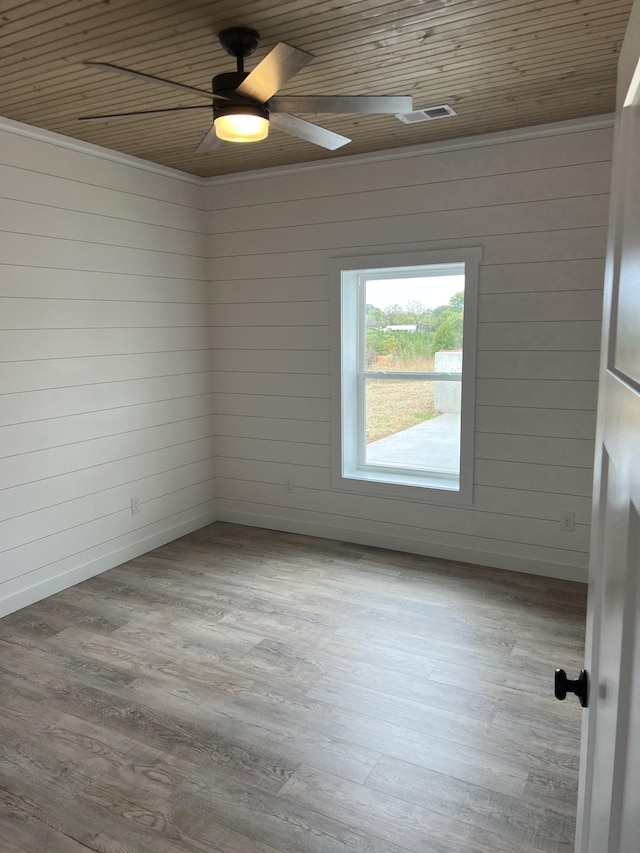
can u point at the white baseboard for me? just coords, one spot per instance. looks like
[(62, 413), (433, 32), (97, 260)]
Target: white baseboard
[(69, 577), (410, 546)]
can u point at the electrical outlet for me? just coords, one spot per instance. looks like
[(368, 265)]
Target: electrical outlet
[(568, 522), (135, 505), (288, 486)]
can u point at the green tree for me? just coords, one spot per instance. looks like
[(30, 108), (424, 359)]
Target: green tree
[(448, 332), (457, 300), (417, 314), (375, 318), (394, 313), (444, 337)]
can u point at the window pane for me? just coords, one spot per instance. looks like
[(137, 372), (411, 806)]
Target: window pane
[(413, 424), (398, 366), (408, 320)]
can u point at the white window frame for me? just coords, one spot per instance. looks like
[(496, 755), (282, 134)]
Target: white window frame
[(349, 473)]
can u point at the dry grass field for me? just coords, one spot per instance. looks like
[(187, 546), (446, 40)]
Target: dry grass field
[(394, 405)]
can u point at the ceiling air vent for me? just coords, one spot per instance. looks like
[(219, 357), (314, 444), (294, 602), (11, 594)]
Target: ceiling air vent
[(427, 114)]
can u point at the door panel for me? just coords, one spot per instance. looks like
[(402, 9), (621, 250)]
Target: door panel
[(630, 793), (626, 309), (609, 801)]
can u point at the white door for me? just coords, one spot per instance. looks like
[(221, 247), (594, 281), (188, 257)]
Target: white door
[(609, 801)]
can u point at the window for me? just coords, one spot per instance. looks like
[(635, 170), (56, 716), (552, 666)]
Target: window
[(404, 374)]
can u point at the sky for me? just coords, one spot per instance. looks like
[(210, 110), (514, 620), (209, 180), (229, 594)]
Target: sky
[(432, 292)]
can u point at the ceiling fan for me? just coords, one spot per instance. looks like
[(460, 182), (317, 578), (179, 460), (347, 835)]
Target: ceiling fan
[(244, 106)]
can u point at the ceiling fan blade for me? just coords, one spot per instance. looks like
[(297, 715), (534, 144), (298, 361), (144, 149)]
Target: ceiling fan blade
[(306, 130), (278, 66), (143, 113), (150, 78), (363, 104), (209, 141)]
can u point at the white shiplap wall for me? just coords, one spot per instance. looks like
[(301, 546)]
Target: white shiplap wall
[(538, 206), (109, 343), (105, 363)]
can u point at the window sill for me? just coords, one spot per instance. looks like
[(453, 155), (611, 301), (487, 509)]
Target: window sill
[(409, 487)]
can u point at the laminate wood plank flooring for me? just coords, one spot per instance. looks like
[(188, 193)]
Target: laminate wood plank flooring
[(248, 691)]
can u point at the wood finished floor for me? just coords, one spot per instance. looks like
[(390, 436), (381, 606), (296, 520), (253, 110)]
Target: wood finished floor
[(246, 691)]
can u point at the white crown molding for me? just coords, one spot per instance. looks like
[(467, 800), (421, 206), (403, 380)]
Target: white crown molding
[(18, 128), (554, 129)]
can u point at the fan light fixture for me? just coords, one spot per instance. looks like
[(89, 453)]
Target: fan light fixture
[(241, 123), (246, 103)]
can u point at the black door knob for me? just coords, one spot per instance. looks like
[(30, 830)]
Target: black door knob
[(580, 686)]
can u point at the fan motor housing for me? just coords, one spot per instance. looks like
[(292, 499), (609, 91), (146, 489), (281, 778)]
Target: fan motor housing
[(245, 108), (226, 85)]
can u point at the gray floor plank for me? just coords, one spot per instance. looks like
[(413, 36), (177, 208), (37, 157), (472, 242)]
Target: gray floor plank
[(248, 691)]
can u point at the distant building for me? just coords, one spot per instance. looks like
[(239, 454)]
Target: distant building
[(409, 328)]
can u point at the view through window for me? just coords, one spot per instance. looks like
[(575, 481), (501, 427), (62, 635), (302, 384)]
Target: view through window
[(411, 370), (405, 375)]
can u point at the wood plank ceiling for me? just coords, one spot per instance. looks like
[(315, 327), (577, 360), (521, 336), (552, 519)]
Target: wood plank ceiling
[(499, 63)]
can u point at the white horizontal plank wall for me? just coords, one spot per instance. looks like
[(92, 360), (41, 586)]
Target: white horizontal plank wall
[(105, 363), (538, 207)]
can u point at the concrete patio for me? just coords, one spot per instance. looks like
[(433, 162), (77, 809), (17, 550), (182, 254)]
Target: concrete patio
[(432, 445)]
